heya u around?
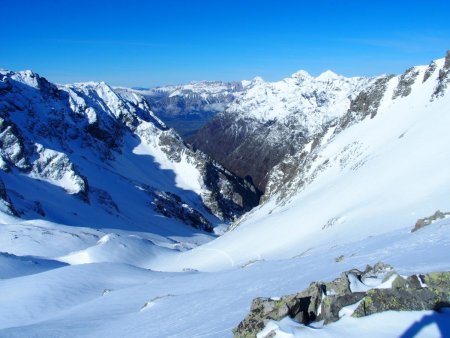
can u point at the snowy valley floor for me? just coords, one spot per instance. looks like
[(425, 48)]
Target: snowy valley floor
[(46, 297)]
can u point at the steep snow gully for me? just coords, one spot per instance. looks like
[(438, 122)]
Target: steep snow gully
[(112, 225)]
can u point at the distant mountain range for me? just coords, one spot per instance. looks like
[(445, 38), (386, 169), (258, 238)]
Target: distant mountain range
[(113, 225), (187, 108)]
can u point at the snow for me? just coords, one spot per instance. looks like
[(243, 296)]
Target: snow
[(349, 310), (207, 90), (187, 176), (394, 324), (299, 99), (376, 176), (109, 299), (327, 76), (355, 284), (108, 275)]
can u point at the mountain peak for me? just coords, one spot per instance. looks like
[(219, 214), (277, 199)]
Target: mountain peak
[(328, 75), (258, 79), (302, 75)]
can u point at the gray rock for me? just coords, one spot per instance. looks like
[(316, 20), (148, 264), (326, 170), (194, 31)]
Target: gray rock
[(423, 222), (5, 202), (324, 301), (333, 304), (430, 70), (172, 206), (437, 280), (443, 78), (405, 82), (401, 299)]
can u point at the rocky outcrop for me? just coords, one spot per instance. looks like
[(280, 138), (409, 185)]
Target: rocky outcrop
[(6, 205), (12, 147), (172, 206), (405, 82), (376, 289), (366, 103), (423, 222), (430, 70), (443, 79)]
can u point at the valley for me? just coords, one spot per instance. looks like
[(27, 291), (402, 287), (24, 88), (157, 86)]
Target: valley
[(112, 224)]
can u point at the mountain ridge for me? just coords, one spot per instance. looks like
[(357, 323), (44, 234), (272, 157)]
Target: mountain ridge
[(65, 135)]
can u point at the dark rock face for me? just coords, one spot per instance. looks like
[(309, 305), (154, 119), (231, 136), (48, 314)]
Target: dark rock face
[(229, 196), (325, 300), (333, 304), (5, 203), (423, 222), (248, 148), (172, 206), (430, 70), (444, 77), (366, 103), (405, 82), (302, 307), (12, 147)]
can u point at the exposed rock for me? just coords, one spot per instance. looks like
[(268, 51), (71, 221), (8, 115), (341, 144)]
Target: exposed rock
[(366, 103), (334, 303), (430, 70), (437, 280), (172, 206), (423, 222), (6, 205), (443, 78), (303, 307), (57, 168), (405, 82), (324, 301), (401, 299), (12, 147)]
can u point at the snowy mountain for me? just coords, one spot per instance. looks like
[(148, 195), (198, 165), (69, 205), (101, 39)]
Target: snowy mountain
[(378, 168), (86, 154), (186, 108), (269, 120), (362, 185)]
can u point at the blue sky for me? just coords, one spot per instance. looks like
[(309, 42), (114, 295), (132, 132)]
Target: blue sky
[(147, 43)]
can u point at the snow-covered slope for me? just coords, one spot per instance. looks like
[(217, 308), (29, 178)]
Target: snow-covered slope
[(269, 120), (188, 107), (346, 198), (119, 300), (89, 155), (381, 167)]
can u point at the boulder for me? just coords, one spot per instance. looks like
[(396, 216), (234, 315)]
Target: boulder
[(423, 222), (324, 301), (401, 299)]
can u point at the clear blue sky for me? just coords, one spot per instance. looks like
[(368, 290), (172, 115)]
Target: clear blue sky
[(147, 43)]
